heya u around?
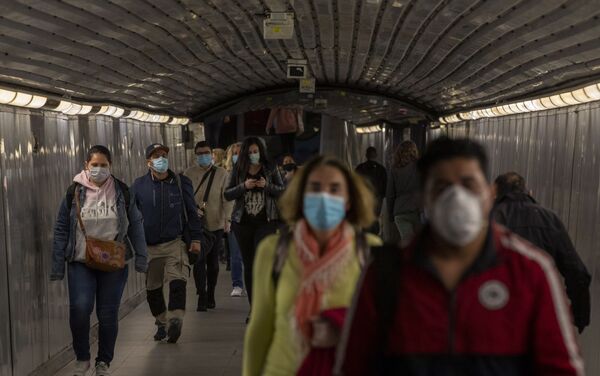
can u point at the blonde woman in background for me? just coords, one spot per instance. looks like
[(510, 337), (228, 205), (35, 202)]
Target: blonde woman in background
[(218, 157), (235, 263), (231, 155)]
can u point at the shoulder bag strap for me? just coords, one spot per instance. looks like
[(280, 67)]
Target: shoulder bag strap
[(212, 173), (178, 181), (78, 206), (201, 182)]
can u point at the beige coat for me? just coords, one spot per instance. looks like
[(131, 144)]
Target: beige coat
[(218, 210)]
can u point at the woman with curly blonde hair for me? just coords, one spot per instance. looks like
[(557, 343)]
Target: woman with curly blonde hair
[(304, 278)]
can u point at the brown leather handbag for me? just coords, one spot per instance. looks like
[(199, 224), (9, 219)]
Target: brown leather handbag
[(104, 255)]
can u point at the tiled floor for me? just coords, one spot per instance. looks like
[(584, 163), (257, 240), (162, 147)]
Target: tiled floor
[(211, 343)]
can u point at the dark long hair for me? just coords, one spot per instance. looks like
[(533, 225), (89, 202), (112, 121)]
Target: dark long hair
[(99, 149), (243, 163)]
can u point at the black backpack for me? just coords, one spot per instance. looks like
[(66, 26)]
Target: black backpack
[(282, 251), (73, 188)]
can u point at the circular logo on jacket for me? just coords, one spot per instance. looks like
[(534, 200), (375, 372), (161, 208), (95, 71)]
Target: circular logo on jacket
[(493, 295)]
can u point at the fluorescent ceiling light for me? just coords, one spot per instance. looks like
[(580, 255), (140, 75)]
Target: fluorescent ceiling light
[(21, 99), (6, 96), (37, 102), (569, 98), (119, 112), (73, 110)]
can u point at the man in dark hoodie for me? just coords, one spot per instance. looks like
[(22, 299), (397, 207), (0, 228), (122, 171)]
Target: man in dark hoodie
[(517, 210), (166, 201)]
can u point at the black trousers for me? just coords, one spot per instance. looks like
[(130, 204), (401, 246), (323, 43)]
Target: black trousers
[(206, 269), (287, 143), (248, 236)]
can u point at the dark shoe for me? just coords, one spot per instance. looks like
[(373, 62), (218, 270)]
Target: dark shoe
[(202, 306), (210, 302), (161, 333), (174, 330)]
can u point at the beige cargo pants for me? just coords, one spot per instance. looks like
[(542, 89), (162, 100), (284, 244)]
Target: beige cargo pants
[(168, 265)]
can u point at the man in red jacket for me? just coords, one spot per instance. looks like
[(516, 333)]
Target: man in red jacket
[(466, 297)]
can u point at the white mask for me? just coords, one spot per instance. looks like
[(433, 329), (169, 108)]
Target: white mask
[(99, 174), (457, 215)]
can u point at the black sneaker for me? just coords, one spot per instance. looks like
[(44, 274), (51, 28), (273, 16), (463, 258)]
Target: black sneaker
[(202, 305), (211, 304), (174, 330), (161, 333)]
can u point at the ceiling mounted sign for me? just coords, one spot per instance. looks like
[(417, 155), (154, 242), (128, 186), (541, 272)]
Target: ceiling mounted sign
[(297, 69), (307, 85), (278, 26), (320, 103)]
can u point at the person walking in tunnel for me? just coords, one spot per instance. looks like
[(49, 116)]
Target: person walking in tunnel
[(519, 212), (235, 255), (210, 182), (254, 185), (403, 202), (288, 168), (286, 122), (309, 272), (171, 221), (467, 296), (99, 206), (376, 174)]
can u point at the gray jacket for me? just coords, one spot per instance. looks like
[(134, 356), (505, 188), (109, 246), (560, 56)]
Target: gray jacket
[(236, 190), (403, 190)]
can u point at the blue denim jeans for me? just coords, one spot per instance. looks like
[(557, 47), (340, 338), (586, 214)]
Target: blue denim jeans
[(86, 287), (237, 267)]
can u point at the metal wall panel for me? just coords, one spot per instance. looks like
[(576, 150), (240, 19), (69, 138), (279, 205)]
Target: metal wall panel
[(25, 264), (5, 332), (558, 152)]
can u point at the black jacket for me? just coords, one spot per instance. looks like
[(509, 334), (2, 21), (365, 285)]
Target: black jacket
[(377, 176), (542, 227), (236, 190)]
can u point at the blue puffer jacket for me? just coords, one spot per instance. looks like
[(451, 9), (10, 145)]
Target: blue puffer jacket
[(161, 204), (63, 248)]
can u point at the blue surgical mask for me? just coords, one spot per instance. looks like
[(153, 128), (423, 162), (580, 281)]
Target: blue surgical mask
[(235, 158), (255, 158), (160, 164), (204, 160), (99, 174), (324, 211)]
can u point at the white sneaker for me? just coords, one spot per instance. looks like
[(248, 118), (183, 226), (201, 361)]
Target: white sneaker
[(81, 367), (237, 292), (102, 369)]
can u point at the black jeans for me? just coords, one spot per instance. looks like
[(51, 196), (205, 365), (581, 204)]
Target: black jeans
[(248, 236), (206, 269), (287, 143)]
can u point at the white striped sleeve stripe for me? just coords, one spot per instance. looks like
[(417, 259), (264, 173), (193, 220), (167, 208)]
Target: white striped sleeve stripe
[(558, 296)]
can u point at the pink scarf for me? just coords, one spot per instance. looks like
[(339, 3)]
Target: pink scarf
[(319, 271)]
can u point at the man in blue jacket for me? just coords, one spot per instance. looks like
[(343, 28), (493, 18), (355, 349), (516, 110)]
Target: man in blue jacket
[(166, 201)]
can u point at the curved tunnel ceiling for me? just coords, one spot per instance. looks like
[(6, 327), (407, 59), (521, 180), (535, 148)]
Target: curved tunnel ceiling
[(187, 56)]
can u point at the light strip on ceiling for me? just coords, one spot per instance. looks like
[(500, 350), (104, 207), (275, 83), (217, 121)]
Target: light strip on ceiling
[(19, 99), (589, 93), (367, 130)]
